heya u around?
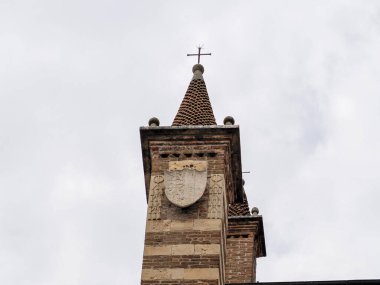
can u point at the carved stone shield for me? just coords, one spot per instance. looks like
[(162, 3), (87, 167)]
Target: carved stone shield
[(185, 182)]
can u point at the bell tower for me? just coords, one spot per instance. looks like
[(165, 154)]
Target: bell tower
[(199, 229)]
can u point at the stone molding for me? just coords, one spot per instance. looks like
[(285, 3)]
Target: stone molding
[(155, 197), (182, 249), (180, 274), (216, 195), (183, 225), (188, 164)]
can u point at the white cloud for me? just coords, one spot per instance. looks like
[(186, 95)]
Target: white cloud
[(77, 79)]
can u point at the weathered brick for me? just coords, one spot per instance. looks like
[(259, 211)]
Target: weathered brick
[(241, 251)]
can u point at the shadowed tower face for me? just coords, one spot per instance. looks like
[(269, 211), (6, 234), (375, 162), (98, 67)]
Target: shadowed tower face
[(199, 229)]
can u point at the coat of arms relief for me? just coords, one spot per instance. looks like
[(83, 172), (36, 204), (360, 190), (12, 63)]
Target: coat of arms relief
[(185, 182)]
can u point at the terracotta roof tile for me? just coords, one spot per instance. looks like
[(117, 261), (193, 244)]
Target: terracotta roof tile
[(195, 108), (239, 209)]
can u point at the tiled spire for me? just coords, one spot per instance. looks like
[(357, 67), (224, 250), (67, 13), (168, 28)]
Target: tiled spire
[(195, 108)]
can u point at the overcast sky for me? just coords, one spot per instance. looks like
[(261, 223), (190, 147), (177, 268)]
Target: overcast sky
[(78, 79)]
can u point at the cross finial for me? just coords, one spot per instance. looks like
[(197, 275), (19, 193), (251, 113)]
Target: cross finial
[(198, 54)]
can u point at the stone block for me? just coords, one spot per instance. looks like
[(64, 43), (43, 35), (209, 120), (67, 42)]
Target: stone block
[(207, 224), (157, 250), (205, 249), (201, 274), (156, 274), (158, 226), (179, 225), (182, 249)]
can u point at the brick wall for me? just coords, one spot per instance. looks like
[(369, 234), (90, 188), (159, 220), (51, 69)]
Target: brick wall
[(184, 261), (185, 245), (183, 237), (199, 244), (183, 250), (181, 282), (164, 151), (241, 250)]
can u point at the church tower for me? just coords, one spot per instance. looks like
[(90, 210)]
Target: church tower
[(199, 229)]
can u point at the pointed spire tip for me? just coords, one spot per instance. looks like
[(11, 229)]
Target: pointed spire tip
[(195, 109)]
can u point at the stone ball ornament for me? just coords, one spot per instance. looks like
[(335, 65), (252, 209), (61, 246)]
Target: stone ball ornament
[(255, 211), (229, 120), (154, 122), (198, 67)]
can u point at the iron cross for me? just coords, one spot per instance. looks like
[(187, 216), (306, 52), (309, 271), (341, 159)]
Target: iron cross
[(198, 54)]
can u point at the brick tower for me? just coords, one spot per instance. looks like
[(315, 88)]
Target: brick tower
[(199, 229)]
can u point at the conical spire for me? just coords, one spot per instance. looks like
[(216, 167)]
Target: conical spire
[(195, 108)]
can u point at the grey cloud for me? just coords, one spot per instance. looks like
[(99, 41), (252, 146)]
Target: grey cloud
[(77, 79)]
